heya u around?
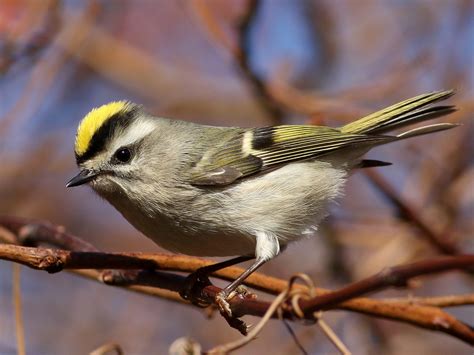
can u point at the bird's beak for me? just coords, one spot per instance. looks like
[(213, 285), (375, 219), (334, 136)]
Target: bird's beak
[(83, 177)]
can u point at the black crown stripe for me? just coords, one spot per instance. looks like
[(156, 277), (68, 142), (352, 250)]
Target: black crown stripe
[(104, 134)]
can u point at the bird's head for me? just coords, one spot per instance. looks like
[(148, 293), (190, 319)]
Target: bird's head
[(109, 146)]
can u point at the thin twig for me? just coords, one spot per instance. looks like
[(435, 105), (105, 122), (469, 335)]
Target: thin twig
[(32, 232), (334, 338), (439, 301), (395, 276), (309, 293)]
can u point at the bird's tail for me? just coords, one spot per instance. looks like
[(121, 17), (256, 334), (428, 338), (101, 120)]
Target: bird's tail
[(404, 113)]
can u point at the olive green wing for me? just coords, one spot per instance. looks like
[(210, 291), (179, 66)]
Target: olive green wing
[(245, 152), (252, 151)]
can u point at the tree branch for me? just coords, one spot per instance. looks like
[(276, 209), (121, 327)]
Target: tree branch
[(397, 276), (138, 272)]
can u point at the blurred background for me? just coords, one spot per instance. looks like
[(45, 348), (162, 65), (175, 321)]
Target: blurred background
[(235, 63)]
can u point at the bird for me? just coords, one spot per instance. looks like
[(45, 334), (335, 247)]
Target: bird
[(228, 191)]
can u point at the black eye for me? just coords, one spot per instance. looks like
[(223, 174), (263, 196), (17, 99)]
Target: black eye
[(123, 155)]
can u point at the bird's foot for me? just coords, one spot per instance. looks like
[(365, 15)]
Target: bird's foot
[(222, 299), (222, 304), (193, 285), (191, 291)]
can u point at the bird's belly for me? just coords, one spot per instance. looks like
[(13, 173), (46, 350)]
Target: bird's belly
[(179, 235), (208, 245), (197, 243)]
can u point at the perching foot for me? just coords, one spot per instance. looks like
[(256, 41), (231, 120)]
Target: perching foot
[(223, 305), (222, 299), (193, 285)]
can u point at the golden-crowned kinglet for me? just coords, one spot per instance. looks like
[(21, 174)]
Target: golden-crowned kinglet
[(221, 191)]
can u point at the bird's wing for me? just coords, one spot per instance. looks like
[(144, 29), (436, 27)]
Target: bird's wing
[(255, 150)]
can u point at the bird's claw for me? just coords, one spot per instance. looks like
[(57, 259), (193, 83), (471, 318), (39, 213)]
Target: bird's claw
[(223, 305), (193, 285), (191, 291), (222, 299), (241, 290), (224, 308)]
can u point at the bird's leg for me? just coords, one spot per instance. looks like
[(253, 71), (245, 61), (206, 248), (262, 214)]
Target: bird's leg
[(226, 293), (267, 247), (200, 276)]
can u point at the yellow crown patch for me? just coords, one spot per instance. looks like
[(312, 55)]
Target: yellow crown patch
[(93, 121)]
